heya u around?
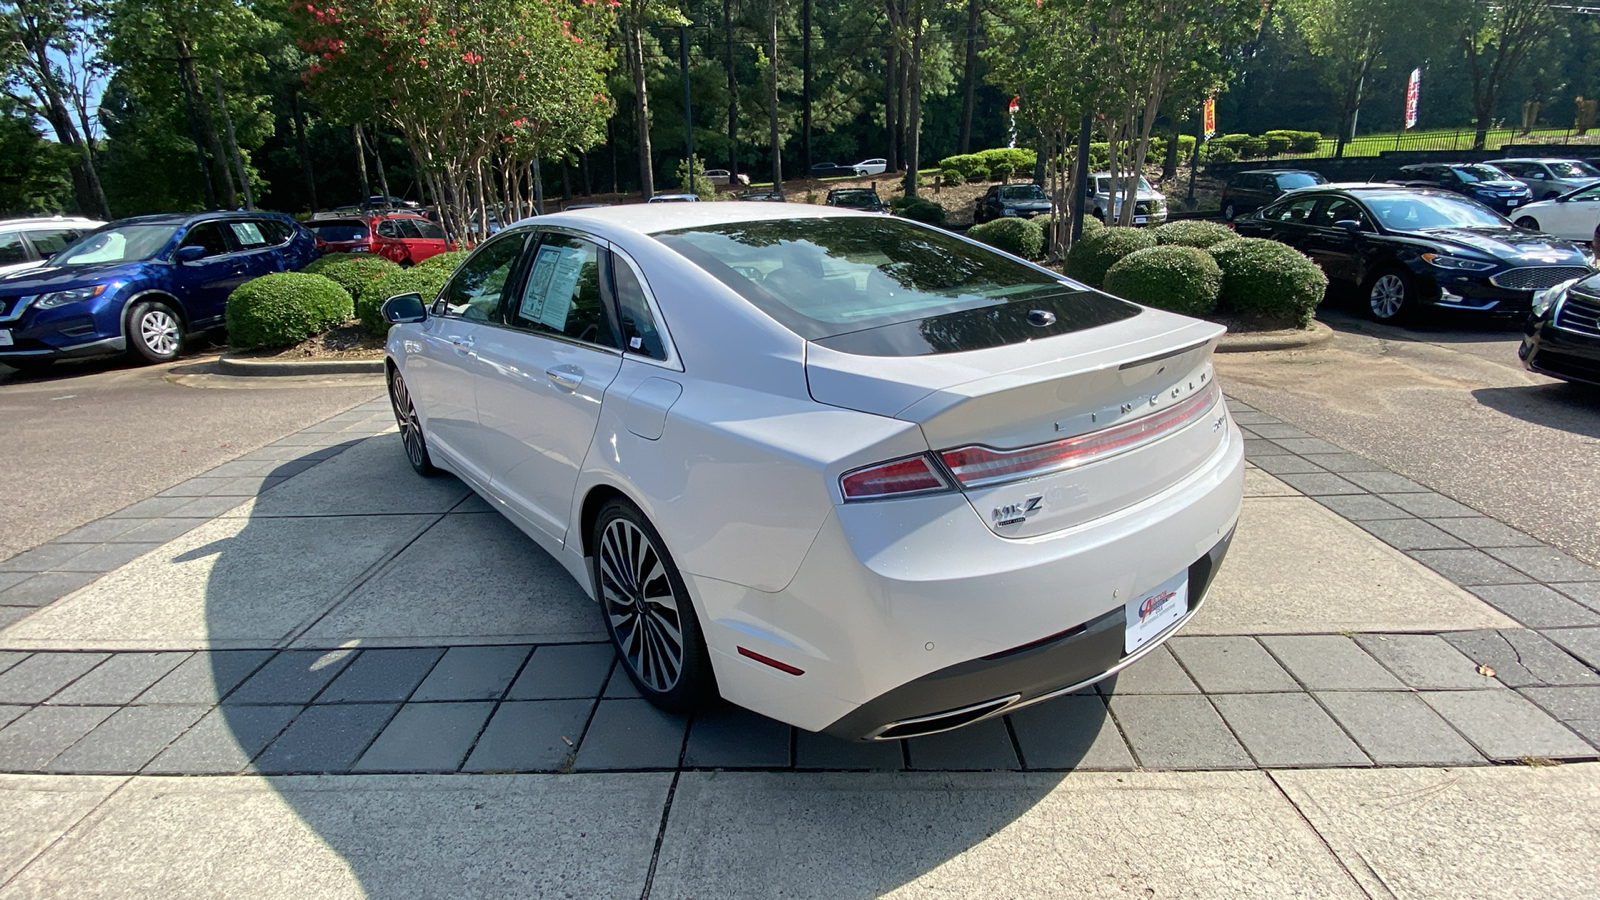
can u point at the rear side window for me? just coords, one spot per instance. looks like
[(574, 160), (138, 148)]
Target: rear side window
[(344, 230), (12, 250), (639, 332), (1294, 180), (51, 242), (428, 230), (250, 235), (832, 276)]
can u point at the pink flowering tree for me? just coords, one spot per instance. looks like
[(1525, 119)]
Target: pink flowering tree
[(479, 89)]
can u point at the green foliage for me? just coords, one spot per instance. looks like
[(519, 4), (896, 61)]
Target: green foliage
[(1218, 154), (1091, 225), (1193, 233), (351, 271), (447, 261), (1297, 141), (1016, 159), (690, 181), (1098, 251), (918, 208), (1001, 173), (1181, 279), (369, 303), (977, 174), (952, 177), (1272, 282), (284, 308), (1019, 237), (34, 178)]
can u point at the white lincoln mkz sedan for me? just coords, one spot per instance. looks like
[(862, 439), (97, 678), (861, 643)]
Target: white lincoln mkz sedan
[(854, 473)]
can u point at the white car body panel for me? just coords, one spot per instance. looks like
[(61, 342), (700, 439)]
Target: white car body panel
[(52, 225), (872, 167), (734, 448), (1574, 218), (1551, 184)]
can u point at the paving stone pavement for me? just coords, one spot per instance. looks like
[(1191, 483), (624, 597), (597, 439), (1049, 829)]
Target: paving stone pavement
[(1200, 702)]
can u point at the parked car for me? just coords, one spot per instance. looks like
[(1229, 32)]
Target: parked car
[(27, 243), (768, 443), (1574, 216), (1250, 190), (1149, 205), (141, 285), (406, 238), (1483, 183), (1409, 248), (865, 199), (674, 198), (768, 196), (872, 167), (832, 170), (1562, 337), (379, 201), (1003, 201), (718, 177), (586, 206), (1549, 178)]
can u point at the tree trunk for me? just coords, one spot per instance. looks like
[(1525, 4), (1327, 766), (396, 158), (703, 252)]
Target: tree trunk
[(233, 141), (1169, 163), (361, 164), (208, 127), (383, 174), (86, 189), (647, 183), (733, 92), (805, 86), (538, 189), (588, 183), (772, 96), (969, 76), (914, 130), (891, 90), (297, 119)]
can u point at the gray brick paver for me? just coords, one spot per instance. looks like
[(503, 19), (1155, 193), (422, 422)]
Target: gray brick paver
[(1230, 664), (981, 746), (382, 675), (1330, 662), (30, 742), (1577, 707), (1363, 507), (224, 741), (293, 676), (1385, 482), (205, 677), (45, 588), (1426, 662), (1522, 658), (326, 739), (631, 734), (530, 736), (1483, 532), (126, 741), (1157, 672), (1468, 567), (1506, 726), (1177, 732), (120, 679), (1398, 729), (41, 675), (9, 658), (1343, 462), (1281, 730), (473, 673), (1071, 732), (564, 671), (1411, 534), (813, 750), (426, 737), (1546, 563), (1430, 505), (729, 737), (1584, 643), (1320, 484), (1536, 605)]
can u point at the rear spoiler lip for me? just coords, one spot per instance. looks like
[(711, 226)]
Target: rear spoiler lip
[(1160, 356)]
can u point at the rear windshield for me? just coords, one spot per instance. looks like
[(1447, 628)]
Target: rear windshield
[(1574, 169), (352, 230), (857, 199), (1472, 174), (827, 277), (1294, 180)]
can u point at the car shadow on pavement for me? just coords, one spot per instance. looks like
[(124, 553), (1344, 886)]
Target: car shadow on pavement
[(1562, 406), (367, 622)]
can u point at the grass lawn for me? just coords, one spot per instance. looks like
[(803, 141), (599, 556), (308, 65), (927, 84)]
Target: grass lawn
[(1452, 139)]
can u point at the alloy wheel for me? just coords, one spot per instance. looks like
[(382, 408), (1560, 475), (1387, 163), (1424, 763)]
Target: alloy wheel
[(1387, 296), (639, 601), (405, 415), (159, 330)]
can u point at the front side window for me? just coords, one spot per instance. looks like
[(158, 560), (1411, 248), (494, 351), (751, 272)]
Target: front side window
[(428, 230), (562, 294), (474, 292), (826, 277), (1335, 211), (126, 243), (209, 236), (388, 229)]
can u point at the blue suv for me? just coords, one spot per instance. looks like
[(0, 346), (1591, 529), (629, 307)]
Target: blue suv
[(141, 285)]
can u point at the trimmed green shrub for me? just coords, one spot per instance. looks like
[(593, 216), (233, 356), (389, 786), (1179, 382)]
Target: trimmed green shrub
[(1098, 251), (284, 308), (1277, 143), (1019, 237), (1299, 141), (1182, 279), (952, 177), (1268, 280), (369, 303), (918, 208), (1220, 154), (1091, 225), (1001, 173), (1019, 159), (1193, 233), (446, 261), (351, 271), (978, 174), (1254, 148)]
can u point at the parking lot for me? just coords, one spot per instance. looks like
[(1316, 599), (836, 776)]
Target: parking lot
[(286, 664)]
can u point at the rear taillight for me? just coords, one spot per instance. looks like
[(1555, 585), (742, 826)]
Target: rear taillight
[(897, 478), (978, 466)]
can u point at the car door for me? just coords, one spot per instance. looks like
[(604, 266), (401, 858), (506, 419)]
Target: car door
[(544, 376), (1290, 222), (258, 241), (423, 239), (203, 285), (387, 240), (442, 371), (1333, 247), (1574, 218)]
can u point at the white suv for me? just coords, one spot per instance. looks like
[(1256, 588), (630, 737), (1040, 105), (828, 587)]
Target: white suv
[(27, 243)]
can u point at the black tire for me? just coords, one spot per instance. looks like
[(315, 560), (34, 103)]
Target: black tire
[(632, 567), (405, 416), (155, 332), (1390, 296), (1528, 222), (1228, 211)]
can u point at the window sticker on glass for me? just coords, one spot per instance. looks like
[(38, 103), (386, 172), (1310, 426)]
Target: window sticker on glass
[(248, 234), (548, 298)]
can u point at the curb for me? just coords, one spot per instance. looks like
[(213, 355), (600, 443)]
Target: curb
[(1246, 342), (235, 365)]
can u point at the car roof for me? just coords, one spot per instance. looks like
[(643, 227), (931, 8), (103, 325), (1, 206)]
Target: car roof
[(853, 190), (642, 218), (188, 218), (1357, 188), (1534, 159), (47, 221)]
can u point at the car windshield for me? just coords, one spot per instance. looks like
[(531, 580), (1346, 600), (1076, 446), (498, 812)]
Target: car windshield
[(1102, 185), (1022, 192), (857, 199), (1573, 169), (344, 230), (1412, 212), (121, 243), (1471, 174), (826, 277), (1292, 180)]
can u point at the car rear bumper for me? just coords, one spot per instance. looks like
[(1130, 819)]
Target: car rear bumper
[(914, 608)]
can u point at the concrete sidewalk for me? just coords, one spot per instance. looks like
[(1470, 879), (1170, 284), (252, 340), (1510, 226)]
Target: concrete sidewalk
[(295, 622)]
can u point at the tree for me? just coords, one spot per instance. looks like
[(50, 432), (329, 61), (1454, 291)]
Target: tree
[(1494, 39), (35, 178), (1348, 36), (772, 96), (55, 63)]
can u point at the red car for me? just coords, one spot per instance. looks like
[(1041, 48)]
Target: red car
[(406, 238)]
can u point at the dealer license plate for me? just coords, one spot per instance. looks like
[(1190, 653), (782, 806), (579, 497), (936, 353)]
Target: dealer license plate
[(1155, 611), (1140, 220), (5, 338)]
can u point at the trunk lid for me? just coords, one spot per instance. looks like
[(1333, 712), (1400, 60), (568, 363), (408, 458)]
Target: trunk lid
[(1094, 384)]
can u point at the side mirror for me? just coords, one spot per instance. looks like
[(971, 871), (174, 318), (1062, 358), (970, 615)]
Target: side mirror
[(190, 254), (1352, 226), (404, 308)]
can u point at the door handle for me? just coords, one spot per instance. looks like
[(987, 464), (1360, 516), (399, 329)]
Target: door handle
[(463, 345), (568, 377)]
